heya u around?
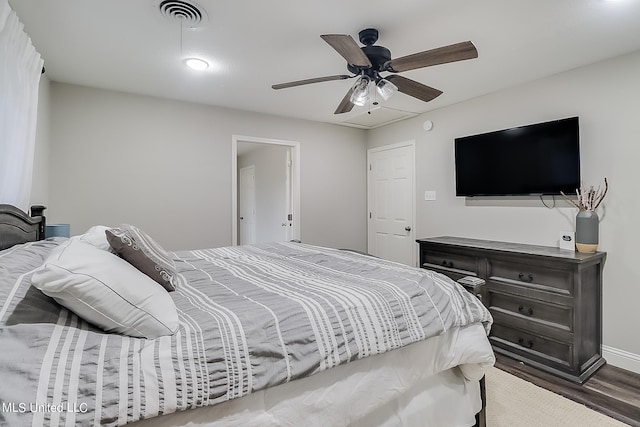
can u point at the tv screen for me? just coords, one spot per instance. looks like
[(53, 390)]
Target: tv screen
[(542, 158)]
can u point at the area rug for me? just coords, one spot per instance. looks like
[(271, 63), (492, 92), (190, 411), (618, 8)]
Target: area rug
[(514, 402)]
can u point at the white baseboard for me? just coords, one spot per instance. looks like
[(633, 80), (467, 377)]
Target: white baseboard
[(621, 359)]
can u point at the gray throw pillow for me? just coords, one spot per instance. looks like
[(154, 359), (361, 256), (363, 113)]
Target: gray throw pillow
[(141, 251)]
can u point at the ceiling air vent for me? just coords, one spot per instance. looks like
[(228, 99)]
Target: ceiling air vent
[(190, 14)]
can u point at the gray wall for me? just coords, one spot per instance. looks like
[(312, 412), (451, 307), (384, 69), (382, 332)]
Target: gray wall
[(606, 97), (166, 166)]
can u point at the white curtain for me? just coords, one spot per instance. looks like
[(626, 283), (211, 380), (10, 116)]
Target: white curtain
[(20, 69)]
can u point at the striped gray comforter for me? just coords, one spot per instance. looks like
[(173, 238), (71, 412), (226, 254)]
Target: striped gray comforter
[(251, 317)]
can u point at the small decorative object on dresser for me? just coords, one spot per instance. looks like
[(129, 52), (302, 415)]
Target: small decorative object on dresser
[(546, 302), (567, 241), (587, 221)]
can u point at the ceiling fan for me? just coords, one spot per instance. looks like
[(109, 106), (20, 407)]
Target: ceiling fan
[(369, 61)]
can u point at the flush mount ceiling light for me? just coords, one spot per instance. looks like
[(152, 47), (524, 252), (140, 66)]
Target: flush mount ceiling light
[(196, 64)]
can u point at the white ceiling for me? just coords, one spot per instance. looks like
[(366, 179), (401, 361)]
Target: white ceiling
[(129, 46)]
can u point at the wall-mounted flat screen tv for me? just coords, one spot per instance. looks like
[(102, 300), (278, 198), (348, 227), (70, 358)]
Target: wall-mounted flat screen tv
[(537, 159)]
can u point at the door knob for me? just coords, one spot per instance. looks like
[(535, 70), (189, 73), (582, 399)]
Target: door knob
[(407, 228), (241, 217)]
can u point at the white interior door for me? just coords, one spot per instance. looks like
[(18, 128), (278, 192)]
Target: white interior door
[(391, 198), (247, 208)]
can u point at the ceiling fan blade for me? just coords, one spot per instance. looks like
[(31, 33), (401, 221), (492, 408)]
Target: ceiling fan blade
[(441, 55), (346, 46), (345, 105), (309, 81), (413, 88)]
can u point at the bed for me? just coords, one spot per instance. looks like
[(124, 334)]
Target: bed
[(278, 334)]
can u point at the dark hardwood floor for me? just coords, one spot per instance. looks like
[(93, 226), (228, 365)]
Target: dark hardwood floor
[(612, 391)]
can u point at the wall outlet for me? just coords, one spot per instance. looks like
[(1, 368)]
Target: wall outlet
[(430, 195)]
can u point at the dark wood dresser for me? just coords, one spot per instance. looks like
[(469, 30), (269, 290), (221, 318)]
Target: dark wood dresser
[(546, 302)]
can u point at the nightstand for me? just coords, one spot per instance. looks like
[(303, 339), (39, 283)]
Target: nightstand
[(57, 230)]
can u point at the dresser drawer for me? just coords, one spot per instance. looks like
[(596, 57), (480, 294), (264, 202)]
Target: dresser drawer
[(532, 345), (544, 278), (463, 265), (553, 315), (453, 275)]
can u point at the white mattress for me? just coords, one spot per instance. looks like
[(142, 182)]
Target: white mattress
[(429, 383)]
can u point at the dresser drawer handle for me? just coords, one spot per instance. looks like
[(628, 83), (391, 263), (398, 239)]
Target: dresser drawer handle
[(528, 344), (527, 312), (446, 263), (525, 277)]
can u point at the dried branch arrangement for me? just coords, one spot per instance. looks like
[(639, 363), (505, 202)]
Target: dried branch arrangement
[(588, 199)]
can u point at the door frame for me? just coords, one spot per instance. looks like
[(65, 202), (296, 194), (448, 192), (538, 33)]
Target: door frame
[(252, 168), (295, 181), (370, 151)]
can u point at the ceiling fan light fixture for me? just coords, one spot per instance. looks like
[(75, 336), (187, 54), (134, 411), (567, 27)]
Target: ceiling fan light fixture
[(367, 62), (386, 89), (360, 94), (196, 64)]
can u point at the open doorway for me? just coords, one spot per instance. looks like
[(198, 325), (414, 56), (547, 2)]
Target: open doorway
[(265, 190), (264, 193)]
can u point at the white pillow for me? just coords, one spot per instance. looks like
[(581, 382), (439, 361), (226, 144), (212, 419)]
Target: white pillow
[(97, 237), (106, 291)]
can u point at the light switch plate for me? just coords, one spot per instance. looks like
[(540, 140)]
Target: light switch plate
[(430, 195)]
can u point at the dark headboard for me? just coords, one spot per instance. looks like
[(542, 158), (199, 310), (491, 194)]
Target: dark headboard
[(18, 227)]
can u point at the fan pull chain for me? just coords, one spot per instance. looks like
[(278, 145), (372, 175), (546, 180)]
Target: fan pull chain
[(181, 33), (373, 100)]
